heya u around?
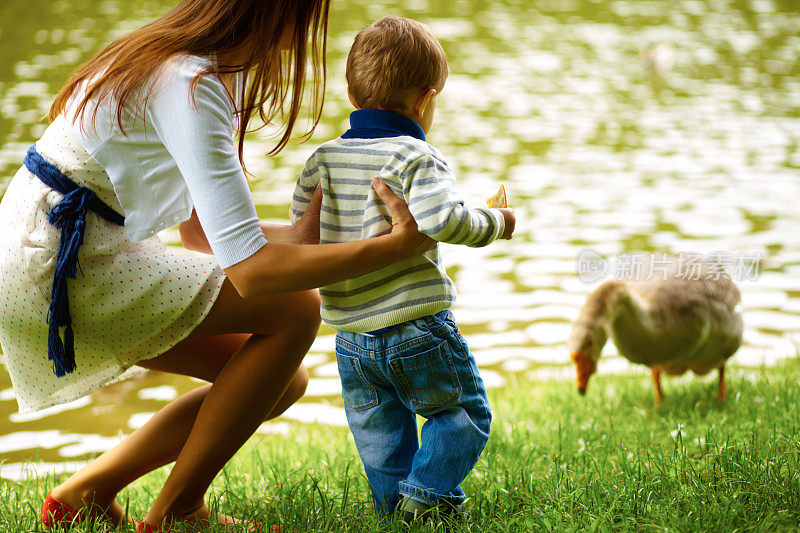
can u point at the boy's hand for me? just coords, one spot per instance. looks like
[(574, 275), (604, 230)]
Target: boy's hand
[(511, 222)]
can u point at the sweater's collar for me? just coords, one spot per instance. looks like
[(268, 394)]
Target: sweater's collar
[(377, 123)]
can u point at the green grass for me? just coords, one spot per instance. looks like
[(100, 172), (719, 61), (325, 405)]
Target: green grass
[(556, 461)]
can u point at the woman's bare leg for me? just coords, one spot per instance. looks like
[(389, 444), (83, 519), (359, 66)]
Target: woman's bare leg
[(245, 391), (151, 446), (204, 354)]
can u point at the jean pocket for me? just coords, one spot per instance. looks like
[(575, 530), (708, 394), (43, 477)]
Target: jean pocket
[(428, 378), (357, 392), (449, 332)]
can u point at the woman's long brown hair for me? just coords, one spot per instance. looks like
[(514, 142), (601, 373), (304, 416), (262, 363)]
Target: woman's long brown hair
[(244, 36)]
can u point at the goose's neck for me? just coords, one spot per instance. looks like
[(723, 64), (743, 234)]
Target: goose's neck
[(623, 306), (615, 306), (591, 329), (630, 324), (604, 303)]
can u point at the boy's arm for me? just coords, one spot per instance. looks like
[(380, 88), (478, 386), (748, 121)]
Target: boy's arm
[(440, 213), (304, 189)]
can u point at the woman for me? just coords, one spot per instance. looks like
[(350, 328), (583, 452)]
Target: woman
[(146, 131)]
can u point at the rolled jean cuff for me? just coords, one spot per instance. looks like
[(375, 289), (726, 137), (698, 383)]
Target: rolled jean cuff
[(426, 496)]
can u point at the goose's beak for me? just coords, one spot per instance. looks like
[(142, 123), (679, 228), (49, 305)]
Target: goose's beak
[(585, 367)]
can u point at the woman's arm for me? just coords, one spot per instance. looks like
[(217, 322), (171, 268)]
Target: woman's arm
[(192, 235), (277, 268), (304, 231), (194, 238)]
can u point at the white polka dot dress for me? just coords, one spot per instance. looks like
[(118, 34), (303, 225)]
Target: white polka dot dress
[(130, 301)]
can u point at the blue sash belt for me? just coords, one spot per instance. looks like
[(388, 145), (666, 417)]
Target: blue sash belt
[(68, 215)]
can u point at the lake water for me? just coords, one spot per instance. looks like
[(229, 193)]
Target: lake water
[(618, 127)]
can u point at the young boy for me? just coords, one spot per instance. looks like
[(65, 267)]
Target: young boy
[(400, 354)]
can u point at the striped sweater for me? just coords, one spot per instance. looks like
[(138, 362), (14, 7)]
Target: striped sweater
[(393, 148)]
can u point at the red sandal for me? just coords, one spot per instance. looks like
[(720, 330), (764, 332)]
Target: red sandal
[(57, 514)]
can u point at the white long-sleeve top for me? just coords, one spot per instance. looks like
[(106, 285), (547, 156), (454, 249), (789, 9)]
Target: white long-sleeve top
[(177, 152), (389, 146)]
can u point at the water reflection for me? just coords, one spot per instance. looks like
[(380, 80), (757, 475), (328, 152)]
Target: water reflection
[(622, 126)]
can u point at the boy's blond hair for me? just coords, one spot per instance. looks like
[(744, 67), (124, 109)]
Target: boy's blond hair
[(390, 57)]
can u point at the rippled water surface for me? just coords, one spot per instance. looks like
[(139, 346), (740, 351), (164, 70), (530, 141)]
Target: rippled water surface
[(618, 126)]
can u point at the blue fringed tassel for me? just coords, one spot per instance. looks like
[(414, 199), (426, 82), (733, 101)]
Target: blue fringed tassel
[(68, 215), (69, 349), (62, 354), (55, 351)]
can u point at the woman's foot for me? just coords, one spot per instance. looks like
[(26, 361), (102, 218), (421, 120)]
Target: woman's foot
[(200, 518), (89, 504), (227, 521)]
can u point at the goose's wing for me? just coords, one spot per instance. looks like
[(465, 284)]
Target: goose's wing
[(722, 290), (720, 294), (659, 323), (691, 319), (666, 281)]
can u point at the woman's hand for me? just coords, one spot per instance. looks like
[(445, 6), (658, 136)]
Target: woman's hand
[(410, 241), (306, 230)]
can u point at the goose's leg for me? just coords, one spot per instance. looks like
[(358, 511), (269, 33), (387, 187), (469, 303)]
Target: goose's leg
[(723, 392), (657, 382)]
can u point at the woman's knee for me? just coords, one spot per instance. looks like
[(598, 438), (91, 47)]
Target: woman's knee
[(304, 317), (297, 387), (295, 391), (310, 309)]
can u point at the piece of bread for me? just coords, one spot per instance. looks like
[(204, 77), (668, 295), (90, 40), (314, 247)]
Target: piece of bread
[(499, 199)]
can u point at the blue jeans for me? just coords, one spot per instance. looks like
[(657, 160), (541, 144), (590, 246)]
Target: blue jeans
[(423, 367)]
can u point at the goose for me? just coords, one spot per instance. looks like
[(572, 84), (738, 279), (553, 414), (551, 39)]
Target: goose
[(672, 321)]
